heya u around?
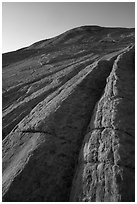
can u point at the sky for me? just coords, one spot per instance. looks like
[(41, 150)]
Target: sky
[(24, 23)]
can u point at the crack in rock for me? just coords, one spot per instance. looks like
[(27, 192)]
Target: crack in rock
[(71, 137)]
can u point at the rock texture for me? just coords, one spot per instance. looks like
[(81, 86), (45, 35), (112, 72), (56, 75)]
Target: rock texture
[(68, 118), (106, 162)]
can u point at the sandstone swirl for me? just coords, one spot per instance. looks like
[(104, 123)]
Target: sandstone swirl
[(68, 118)]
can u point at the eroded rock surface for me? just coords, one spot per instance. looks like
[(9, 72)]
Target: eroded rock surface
[(106, 162), (68, 118)]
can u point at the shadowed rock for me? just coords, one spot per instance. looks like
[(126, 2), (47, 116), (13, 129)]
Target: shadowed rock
[(68, 118)]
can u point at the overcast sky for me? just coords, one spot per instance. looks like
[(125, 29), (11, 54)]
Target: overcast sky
[(25, 23)]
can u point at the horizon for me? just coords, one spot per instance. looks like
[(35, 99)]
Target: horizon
[(63, 33), (57, 23)]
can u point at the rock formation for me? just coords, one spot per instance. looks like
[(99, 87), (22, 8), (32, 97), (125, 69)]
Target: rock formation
[(68, 118)]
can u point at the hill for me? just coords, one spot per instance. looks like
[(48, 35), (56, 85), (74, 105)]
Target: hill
[(68, 118)]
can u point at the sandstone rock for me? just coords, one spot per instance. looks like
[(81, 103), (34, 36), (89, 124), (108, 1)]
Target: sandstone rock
[(68, 118), (107, 156)]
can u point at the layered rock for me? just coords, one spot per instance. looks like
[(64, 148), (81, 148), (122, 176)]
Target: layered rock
[(106, 162), (66, 98), (48, 140), (32, 73)]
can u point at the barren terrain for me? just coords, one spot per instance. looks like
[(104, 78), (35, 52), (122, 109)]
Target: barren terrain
[(68, 118)]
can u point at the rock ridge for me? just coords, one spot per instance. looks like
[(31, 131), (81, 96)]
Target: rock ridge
[(103, 168), (68, 118)]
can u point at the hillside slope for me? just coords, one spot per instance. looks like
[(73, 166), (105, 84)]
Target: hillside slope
[(68, 118)]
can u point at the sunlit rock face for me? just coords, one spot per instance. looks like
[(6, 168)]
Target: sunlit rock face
[(68, 118)]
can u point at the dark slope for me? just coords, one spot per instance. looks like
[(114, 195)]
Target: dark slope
[(81, 35), (31, 77), (51, 91)]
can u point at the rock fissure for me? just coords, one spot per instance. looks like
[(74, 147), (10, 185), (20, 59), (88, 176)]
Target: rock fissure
[(102, 156), (85, 85), (76, 142)]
